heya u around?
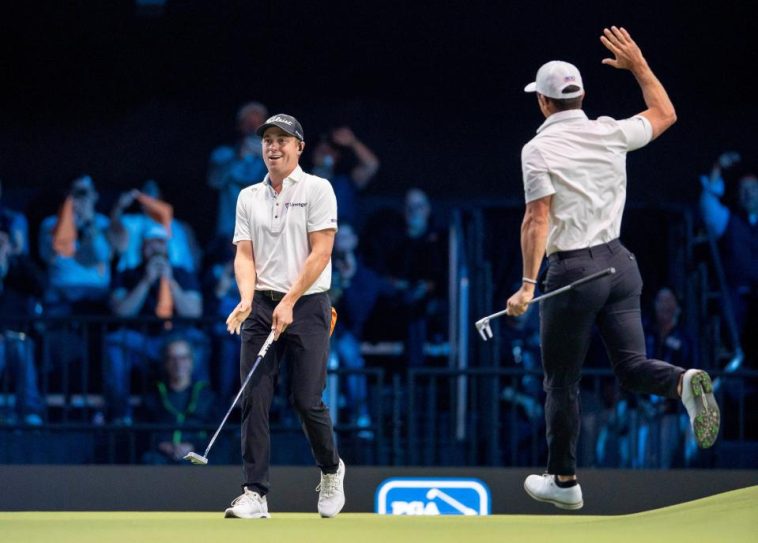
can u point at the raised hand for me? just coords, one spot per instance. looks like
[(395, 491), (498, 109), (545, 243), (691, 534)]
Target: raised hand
[(126, 199), (715, 182), (343, 136), (727, 159), (628, 55)]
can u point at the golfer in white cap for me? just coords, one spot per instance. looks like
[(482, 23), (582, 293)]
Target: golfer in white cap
[(574, 173)]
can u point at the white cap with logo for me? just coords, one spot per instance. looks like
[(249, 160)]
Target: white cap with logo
[(554, 77)]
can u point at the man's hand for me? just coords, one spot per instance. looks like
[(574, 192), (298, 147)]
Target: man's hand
[(627, 54), (153, 270), (715, 182), (727, 159), (343, 136), (167, 271), (237, 317), (281, 318), (126, 199), (519, 302)]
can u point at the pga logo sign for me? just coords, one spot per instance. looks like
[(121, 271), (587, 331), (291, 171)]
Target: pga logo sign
[(447, 496)]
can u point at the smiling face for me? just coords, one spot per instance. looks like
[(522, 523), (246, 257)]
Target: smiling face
[(281, 153)]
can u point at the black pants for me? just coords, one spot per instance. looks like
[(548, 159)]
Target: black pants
[(305, 344), (613, 303)]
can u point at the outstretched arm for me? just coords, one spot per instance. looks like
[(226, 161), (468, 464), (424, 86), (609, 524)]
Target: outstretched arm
[(368, 163), (628, 56)]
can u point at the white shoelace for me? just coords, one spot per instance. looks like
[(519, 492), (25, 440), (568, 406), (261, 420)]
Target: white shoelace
[(252, 498), (328, 485)]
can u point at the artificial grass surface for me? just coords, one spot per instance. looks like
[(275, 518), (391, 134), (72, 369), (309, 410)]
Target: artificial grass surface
[(731, 516)]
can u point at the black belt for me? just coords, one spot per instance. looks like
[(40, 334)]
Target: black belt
[(611, 247), (272, 295)]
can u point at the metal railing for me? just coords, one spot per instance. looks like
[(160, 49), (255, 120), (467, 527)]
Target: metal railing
[(414, 419)]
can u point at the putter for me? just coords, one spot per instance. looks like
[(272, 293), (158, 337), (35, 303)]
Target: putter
[(203, 460), (483, 324)]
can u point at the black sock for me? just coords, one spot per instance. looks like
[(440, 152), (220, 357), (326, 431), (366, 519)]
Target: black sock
[(255, 488), (564, 484)]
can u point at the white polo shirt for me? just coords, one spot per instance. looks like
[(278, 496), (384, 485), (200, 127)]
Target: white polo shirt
[(582, 163), (278, 226)]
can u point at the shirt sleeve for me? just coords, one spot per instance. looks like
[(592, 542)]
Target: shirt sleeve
[(322, 214), (537, 182), (637, 130), (242, 220)]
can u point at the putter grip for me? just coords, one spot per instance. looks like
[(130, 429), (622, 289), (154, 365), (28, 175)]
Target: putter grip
[(266, 345), (593, 276), (590, 277)]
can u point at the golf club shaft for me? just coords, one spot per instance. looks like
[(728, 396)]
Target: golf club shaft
[(261, 354), (557, 291)]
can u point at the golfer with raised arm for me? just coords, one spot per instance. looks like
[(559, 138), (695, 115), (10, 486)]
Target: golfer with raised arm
[(574, 173), (284, 234)]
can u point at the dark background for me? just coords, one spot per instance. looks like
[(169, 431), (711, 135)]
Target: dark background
[(434, 88)]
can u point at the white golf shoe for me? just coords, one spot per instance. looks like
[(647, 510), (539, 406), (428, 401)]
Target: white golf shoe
[(248, 505), (331, 492), (697, 397), (544, 489)]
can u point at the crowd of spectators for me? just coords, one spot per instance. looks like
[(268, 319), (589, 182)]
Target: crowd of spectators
[(166, 295)]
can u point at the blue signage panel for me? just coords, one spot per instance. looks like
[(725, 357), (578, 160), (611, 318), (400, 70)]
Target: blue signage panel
[(422, 496)]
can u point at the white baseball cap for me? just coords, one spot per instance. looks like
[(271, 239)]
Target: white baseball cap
[(553, 77)]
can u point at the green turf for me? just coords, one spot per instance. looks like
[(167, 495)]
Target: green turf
[(732, 517)]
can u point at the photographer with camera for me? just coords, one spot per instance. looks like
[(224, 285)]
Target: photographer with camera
[(158, 289), (75, 247)]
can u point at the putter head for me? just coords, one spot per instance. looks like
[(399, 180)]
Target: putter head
[(196, 458), (483, 327)]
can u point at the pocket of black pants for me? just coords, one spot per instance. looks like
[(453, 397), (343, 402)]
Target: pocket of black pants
[(565, 272)]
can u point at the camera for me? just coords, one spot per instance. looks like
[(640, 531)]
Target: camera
[(80, 192)]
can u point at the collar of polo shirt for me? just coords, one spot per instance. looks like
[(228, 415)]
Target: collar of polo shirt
[(560, 116), (295, 176)]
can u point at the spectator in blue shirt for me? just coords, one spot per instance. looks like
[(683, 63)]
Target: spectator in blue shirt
[(143, 291)]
